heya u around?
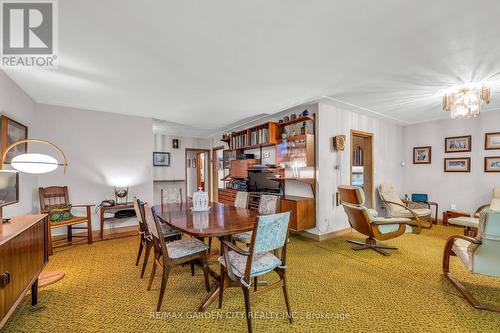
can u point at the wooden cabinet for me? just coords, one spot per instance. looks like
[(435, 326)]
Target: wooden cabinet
[(239, 168), (303, 212), (227, 196), (23, 253)]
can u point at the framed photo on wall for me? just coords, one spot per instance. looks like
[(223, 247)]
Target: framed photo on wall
[(492, 141), (492, 164), (457, 164), (161, 159), (458, 144), (175, 143), (12, 132), (422, 155)]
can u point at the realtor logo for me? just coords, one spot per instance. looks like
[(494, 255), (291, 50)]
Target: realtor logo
[(29, 33)]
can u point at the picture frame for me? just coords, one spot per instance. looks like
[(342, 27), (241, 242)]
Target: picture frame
[(422, 155), (492, 141), (161, 159), (12, 132), (458, 144), (175, 143), (457, 164), (193, 163), (492, 164)]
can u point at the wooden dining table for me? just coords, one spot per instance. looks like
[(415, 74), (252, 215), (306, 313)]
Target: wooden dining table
[(220, 221)]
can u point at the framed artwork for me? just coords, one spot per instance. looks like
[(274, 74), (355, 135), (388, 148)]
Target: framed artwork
[(457, 164), (492, 164), (458, 144), (161, 159), (193, 163), (422, 155), (492, 141), (12, 132), (175, 143)]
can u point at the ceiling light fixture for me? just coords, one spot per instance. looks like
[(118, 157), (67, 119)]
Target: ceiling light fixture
[(466, 101)]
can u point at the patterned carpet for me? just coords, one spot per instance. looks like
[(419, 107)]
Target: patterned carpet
[(332, 288)]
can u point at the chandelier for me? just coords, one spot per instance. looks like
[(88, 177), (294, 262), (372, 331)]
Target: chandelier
[(466, 102)]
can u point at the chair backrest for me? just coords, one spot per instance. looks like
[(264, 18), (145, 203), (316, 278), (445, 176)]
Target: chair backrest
[(241, 199), (53, 195), (155, 230), (486, 259), (268, 204), (495, 200), (353, 199), (171, 196), (140, 216), (419, 197), (387, 192)]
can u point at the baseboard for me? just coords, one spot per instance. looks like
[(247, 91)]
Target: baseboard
[(323, 237)]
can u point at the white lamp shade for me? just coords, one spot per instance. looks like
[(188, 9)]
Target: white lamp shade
[(34, 163)]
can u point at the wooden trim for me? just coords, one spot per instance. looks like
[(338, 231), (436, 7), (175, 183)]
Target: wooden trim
[(486, 140), (209, 176), (323, 237), (215, 174), (469, 137), (372, 157)]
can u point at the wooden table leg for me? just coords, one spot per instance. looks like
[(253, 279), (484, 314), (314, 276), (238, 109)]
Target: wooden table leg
[(101, 231), (34, 292)]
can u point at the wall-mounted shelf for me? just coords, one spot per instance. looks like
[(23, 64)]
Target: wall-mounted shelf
[(296, 121)]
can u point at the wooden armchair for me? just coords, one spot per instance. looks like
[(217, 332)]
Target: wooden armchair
[(420, 217), (54, 196)]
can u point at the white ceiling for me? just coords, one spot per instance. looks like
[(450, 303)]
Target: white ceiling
[(207, 64)]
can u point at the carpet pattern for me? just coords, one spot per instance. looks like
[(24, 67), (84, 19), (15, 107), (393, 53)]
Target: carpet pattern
[(332, 288)]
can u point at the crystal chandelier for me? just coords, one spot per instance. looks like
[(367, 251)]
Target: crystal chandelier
[(466, 102)]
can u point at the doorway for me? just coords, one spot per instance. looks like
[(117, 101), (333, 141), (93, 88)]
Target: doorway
[(218, 171), (197, 173), (361, 167)]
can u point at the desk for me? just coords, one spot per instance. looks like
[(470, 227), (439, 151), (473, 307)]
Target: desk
[(111, 209), (221, 221), (24, 253)]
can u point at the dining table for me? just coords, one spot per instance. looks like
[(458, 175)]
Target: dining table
[(219, 221)]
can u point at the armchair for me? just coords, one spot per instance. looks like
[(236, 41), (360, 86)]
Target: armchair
[(57, 196), (479, 255), (362, 220), (420, 217)]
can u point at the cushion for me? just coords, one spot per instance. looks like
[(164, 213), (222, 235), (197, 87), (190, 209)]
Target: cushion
[(60, 213), (388, 193), (421, 212), (244, 237), (261, 264), (465, 221), (388, 228), (372, 212), (185, 247), (461, 249)]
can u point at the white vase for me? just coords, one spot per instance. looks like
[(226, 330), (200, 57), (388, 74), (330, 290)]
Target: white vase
[(200, 201)]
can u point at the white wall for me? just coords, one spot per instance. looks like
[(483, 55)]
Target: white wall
[(103, 149), (388, 138), (466, 190), (17, 105)]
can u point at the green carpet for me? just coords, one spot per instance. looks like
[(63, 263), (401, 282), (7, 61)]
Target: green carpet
[(332, 288)]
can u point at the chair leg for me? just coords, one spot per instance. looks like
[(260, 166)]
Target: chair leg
[(153, 272), (209, 244), (221, 285), (89, 225), (141, 245), (371, 243), (246, 296), (164, 280), (192, 267), (70, 234), (205, 271), (285, 294), (255, 281), (146, 258)]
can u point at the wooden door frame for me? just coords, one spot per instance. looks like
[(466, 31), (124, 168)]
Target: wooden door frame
[(208, 173), (215, 173), (371, 137)]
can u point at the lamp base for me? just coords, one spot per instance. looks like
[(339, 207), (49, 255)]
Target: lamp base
[(47, 278)]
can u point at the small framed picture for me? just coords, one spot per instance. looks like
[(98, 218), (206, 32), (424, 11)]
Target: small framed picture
[(492, 141), (12, 132), (193, 164), (458, 144), (161, 159), (457, 164), (422, 155), (175, 143), (492, 164)]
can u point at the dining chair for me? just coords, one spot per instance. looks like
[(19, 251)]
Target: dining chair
[(168, 255), (241, 199), (171, 195), (145, 240), (270, 234), (268, 204)]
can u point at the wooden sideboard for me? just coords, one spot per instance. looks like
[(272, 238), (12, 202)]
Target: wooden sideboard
[(23, 253)]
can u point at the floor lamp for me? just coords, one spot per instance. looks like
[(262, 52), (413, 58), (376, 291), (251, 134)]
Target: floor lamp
[(37, 163)]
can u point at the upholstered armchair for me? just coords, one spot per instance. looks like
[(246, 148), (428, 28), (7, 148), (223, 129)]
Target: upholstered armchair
[(243, 267), (493, 205), (420, 217), (480, 254), (364, 221)]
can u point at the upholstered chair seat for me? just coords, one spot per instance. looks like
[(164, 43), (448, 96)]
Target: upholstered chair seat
[(466, 221), (262, 263), (480, 254), (185, 247), (244, 237), (421, 212)]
